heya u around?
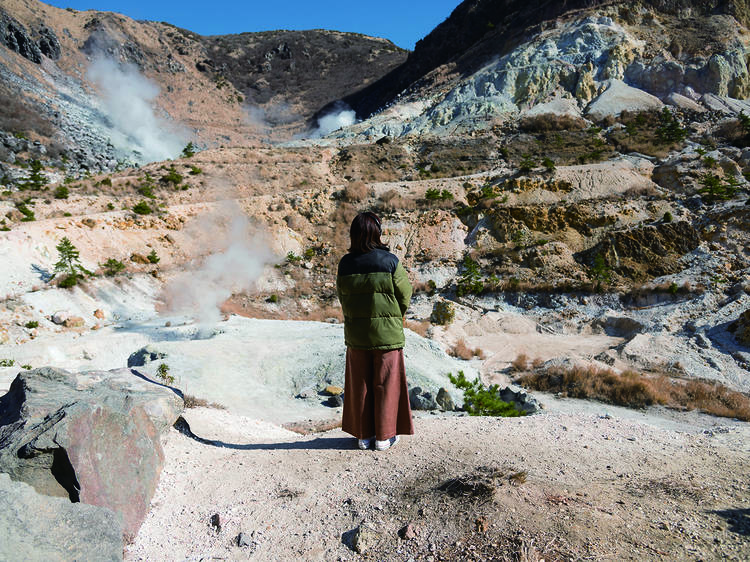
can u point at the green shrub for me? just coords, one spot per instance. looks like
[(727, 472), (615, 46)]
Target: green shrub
[(68, 281), (142, 208), (112, 267), (670, 130), (26, 367), (600, 271), (69, 263), (483, 401), (195, 171), (31, 324), (667, 217), (470, 282), (715, 189), (273, 298), (7, 362), (291, 257), (106, 181), (153, 257), (526, 165), (147, 190), (163, 373), (172, 176), (61, 192), (437, 195), (548, 164), (28, 214), (189, 150), (36, 179), (443, 313)]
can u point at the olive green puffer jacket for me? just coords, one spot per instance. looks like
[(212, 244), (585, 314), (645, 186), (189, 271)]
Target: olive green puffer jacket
[(374, 292)]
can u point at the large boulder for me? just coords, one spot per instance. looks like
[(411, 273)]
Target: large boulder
[(35, 527), (90, 437), (619, 97)]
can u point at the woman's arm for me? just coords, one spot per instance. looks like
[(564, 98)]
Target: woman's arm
[(402, 288)]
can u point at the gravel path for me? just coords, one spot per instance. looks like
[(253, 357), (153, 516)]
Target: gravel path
[(552, 486)]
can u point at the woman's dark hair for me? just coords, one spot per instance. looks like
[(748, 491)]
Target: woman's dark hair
[(365, 234)]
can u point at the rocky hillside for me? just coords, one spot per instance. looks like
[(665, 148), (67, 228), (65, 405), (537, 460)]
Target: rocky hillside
[(506, 57), (94, 88)]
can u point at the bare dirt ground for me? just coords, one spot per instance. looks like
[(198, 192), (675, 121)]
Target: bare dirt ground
[(556, 486)]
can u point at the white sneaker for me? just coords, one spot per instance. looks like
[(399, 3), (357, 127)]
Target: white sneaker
[(387, 444), (365, 444)]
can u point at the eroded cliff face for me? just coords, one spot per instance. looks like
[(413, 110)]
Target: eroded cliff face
[(595, 63), (478, 31)]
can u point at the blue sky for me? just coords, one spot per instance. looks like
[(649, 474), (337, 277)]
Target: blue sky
[(403, 22)]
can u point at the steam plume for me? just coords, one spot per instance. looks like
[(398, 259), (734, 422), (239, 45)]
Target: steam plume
[(127, 98), (340, 116), (238, 256)]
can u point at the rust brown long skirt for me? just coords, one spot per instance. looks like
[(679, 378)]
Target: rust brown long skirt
[(376, 398)]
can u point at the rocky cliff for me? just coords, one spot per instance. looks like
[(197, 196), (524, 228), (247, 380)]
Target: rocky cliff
[(479, 31)]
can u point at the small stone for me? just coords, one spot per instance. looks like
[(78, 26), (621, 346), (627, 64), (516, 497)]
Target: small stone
[(408, 532), (139, 258), (335, 401), (99, 313), (74, 322), (333, 390), (244, 540), (445, 401), (216, 522), (365, 537), (60, 317)]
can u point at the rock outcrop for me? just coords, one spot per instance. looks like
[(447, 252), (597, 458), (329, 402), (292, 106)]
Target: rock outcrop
[(90, 437), (741, 328), (645, 252)]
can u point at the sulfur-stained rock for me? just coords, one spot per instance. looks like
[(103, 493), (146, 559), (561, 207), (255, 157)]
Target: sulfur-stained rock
[(91, 437), (643, 253), (139, 258), (74, 322)]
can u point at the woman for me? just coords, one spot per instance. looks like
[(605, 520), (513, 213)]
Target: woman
[(374, 292)]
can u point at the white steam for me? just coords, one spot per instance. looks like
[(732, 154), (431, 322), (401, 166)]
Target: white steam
[(237, 259), (127, 100), (341, 116)]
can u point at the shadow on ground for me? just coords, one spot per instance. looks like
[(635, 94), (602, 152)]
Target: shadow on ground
[(332, 443), (738, 519)]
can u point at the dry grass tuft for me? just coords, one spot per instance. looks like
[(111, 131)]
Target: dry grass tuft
[(463, 351), (392, 201), (520, 364), (355, 191), (636, 390), (552, 122), (193, 402), (518, 478), (420, 327), (322, 314)]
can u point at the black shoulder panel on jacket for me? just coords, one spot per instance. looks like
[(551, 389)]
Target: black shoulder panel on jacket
[(375, 261)]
